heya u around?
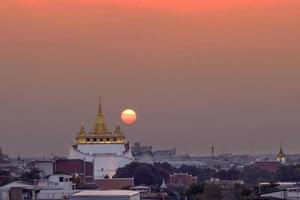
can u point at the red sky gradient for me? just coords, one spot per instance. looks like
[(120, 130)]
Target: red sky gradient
[(198, 72)]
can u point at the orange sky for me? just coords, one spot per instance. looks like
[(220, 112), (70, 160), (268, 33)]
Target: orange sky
[(194, 70), (169, 5)]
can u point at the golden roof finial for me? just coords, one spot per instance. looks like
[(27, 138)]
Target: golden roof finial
[(100, 126), (118, 130), (281, 153), (281, 157), (100, 106)]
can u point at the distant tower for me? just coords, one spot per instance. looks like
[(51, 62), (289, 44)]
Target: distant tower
[(281, 157), (212, 152)]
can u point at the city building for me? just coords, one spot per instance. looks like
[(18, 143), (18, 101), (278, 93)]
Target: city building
[(271, 166), (44, 166), (163, 155), (144, 190), (104, 195), (107, 150), (284, 190), (114, 183), (75, 167), (3, 157), (57, 186), (146, 157), (183, 179), (17, 190), (137, 149), (57, 182)]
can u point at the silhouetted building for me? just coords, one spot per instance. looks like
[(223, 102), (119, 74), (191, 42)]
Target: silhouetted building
[(137, 149), (162, 155), (183, 179), (114, 183), (74, 167), (271, 166)]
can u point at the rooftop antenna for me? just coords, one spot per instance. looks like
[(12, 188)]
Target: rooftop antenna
[(212, 152)]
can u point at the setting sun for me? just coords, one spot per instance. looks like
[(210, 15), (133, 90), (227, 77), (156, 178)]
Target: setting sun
[(128, 116)]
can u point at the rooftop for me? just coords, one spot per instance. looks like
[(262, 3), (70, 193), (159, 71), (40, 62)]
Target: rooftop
[(106, 193)]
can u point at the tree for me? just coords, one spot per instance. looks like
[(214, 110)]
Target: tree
[(289, 173), (255, 175), (4, 173), (212, 192), (143, 173), (231, 174), (165, 169), (194, 190), (240, 192)]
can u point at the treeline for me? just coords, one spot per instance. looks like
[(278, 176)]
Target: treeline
[(154, 174)]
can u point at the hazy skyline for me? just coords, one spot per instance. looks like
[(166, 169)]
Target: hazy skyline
[(198, 73)]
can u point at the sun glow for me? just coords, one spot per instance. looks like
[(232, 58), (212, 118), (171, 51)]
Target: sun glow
[(128, 116)]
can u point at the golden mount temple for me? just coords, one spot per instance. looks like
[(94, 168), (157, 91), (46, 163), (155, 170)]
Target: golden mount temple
[(107, 150)]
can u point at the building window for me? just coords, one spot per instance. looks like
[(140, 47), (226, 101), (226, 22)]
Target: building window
[(95, 139), (61, 179), (101, 139), (107, 139), (114, 139), (88, 139)]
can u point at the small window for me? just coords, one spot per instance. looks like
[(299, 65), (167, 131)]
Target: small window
[(108, 139), (61, 179), (114, 139), (88, 139), (101, 139), (95, 139)]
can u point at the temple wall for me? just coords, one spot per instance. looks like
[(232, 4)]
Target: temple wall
[(104, 164), (102, 148)]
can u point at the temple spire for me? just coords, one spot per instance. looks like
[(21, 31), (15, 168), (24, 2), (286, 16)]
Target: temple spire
[(281, 157), (100, 106), (100, 125), (281, 150)]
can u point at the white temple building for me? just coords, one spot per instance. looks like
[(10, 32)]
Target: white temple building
[(107, 150)]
